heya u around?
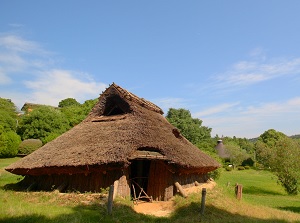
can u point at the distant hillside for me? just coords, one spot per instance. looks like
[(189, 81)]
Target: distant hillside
[(295, 136), (253, 140)]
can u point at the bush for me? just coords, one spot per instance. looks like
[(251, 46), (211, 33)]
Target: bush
[(241, 168), (29, 145), (247, 167), (228, 168), (215, 174), (9, 142)]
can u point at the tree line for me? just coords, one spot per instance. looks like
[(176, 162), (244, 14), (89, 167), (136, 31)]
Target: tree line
[(272, 150)]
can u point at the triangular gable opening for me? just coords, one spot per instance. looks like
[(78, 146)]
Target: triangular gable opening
[(116, 110), (115, 105)]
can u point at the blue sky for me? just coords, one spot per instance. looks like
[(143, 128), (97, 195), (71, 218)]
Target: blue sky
[(234, 64)]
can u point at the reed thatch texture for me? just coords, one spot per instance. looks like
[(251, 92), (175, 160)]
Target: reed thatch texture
[(118, 126)]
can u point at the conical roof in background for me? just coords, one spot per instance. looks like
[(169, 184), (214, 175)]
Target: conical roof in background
[(119, 128)]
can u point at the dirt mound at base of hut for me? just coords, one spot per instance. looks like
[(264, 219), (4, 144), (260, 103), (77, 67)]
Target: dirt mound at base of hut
[(165, 208), (156, 208)]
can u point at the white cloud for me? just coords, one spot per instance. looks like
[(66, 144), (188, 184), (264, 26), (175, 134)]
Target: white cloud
[(53, 86), (251, 72), (32, 72), (166, 103), (4, 79), (247, 121), (216, 109), (17, 44)]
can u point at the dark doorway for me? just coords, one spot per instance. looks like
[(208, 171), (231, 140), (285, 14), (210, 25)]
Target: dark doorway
[(139, 175)]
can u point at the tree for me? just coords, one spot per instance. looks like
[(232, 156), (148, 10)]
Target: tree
[(8, 114), (8, 106), (42, 122), (76, 112), (68, 102), (280, 153), (191, 128), (286, 164), (270, 137), (237, 155)]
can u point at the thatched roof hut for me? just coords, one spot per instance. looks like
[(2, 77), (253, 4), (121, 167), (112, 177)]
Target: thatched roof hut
[(221, 150), (123, 138)]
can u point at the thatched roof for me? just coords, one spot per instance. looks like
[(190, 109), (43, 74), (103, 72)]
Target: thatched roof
[(120, 127)]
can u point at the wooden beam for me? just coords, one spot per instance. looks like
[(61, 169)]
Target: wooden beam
[(116, 185), (180, 189)]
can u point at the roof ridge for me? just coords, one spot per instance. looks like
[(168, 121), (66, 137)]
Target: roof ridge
[(141, 101)]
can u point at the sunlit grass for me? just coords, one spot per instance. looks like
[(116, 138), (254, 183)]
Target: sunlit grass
[(260, 190)]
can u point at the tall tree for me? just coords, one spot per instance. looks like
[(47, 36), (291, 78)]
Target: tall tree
[(191, 128), (281, 154), (42, 122), (68, 102), (8, 114)]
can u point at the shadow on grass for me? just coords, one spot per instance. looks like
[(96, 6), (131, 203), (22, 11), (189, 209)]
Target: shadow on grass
[(13, 187), (124, 213), (259, 191), (293, 209)]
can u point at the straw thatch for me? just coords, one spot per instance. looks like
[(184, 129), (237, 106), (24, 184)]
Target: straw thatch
[(103, 138), (120, 128)]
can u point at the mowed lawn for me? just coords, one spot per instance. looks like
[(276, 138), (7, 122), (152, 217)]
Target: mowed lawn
[(263, 201), (260, 188)]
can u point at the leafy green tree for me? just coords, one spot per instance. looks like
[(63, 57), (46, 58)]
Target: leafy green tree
[(285, 164), (7, 121), (191, 128), (8, 115), (270, 137), (237, 155), (76, 112), (9, 143), (68, 102), (41, 122), (88, 105), (8, 106), (281, 154)]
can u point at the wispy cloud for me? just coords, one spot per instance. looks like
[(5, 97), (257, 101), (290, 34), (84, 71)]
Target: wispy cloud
[(27, 64), (248, 120), (166, 103), (215, 110), (250, 72)]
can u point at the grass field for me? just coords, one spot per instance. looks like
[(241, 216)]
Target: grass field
[(260, 188), (263, 201)]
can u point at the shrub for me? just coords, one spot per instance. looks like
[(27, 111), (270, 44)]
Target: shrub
[(215, 174), (29, 145), (9, 142), (228, 168), (241, 168), (247, 167)]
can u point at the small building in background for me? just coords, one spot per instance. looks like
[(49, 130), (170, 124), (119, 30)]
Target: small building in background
[(221, 150)]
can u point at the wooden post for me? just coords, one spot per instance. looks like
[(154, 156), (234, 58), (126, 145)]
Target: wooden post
[(31, 186), (110, 199), (179, 187), (197, 183), (61, 187), (116, 185), (239, 191), (203, 201)]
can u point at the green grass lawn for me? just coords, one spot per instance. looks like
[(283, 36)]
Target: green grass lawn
[(263, 201), (260, 188)]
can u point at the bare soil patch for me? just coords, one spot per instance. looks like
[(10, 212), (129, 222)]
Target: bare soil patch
[(165, 208)]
